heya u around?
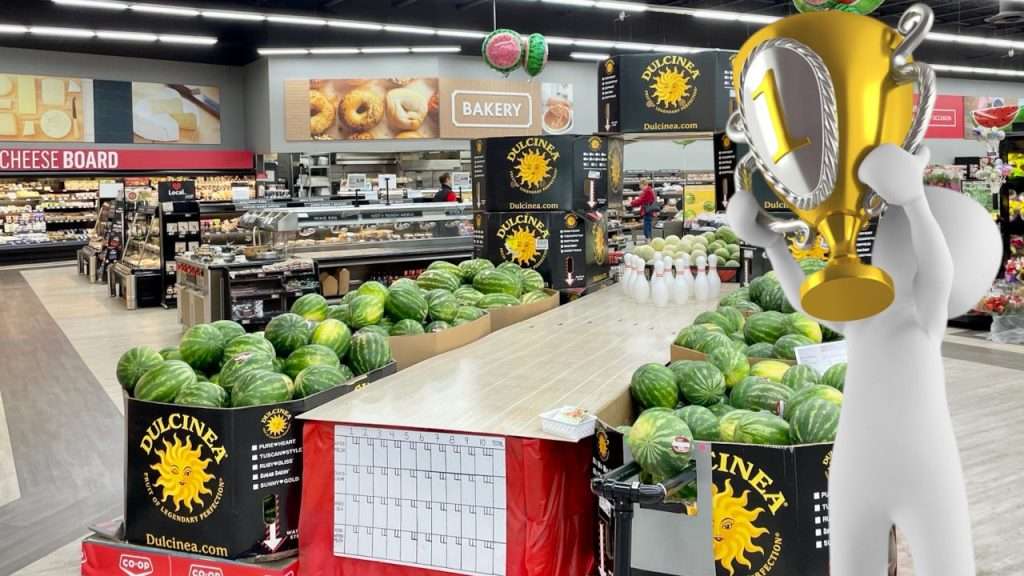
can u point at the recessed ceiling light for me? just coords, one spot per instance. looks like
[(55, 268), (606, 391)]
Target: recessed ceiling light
[(166, 10), (300, 20), (354, 25), (623, 6), (384, 50), (61, 32), (232, 15), (13, 29), (334, 50), (127, 36), (409, 30), (460, 33), (102, 4), (281, 51), (436, 49), (589, 56), (181, 39)]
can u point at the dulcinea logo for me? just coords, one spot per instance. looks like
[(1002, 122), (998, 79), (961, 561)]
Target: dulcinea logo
[(738, 513), (609, 66), (615, 164), (276, 423), (668, 83), (524, 240), (600, 242), (603, 446), (595, 143), (182, 480), (532, 161)]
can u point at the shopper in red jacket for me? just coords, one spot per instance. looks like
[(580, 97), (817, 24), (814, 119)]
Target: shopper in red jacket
[(646, 201)]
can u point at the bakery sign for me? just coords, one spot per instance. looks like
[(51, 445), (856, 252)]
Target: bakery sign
[(96, 160), (489, 108)]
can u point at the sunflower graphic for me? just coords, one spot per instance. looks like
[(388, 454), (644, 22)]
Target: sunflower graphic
[(182, 474), (670, 87), (522, 246), (600, 243), (733, 528), (532, 169)]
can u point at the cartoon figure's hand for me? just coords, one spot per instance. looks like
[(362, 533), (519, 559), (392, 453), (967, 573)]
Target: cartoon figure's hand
[(895, 174), (742, 213)]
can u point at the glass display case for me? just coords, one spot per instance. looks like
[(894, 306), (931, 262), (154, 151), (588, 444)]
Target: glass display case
[(142, 239)]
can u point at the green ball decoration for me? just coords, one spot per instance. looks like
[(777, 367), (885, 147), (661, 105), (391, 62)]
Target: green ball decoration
[(503, 50), (535, 55)]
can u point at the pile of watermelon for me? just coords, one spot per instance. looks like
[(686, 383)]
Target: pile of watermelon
[(443, 296), (218, 365), (723, 243)]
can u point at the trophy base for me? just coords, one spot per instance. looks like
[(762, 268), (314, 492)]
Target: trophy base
[(846, 290)]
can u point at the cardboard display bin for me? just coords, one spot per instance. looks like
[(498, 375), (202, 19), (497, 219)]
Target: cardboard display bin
[(509, 315), (683, 353), (408, 350), (222, 482), (103, 557)]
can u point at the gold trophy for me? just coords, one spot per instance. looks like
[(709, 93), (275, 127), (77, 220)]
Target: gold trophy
[(816, 93)]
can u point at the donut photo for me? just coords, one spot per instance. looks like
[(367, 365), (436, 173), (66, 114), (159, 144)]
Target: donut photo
[(373, 109)]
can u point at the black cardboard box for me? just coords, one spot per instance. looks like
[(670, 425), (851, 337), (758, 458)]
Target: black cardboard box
[(569, 173), (569, 249), (221, 482)]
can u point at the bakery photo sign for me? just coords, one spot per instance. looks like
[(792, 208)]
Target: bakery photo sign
[(45, 109), (362, 109)]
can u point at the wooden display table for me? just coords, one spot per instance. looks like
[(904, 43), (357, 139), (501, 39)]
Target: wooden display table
[(488, 394)]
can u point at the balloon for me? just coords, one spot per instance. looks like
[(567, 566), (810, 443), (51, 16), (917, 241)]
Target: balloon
[(535, 54), (862, 7), (503, 50)]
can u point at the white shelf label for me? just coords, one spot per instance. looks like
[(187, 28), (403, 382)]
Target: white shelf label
[(821, 357)]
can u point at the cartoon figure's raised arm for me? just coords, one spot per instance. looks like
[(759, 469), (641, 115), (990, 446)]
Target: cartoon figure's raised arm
[(898, 177)]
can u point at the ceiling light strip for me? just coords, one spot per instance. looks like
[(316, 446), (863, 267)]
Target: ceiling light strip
[(367, 50), (589, 56), (101, 4), (164, 10)]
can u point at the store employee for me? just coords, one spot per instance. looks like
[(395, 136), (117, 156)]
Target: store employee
[(445, 194)]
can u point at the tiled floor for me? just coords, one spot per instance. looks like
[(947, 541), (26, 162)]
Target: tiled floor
[(57, 323)]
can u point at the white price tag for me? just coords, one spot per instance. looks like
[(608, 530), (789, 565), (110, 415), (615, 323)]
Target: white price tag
[(821, 357), (387, 181), (239, 193), (461, 180), (110, 189), (356, 182), (414, 194), (370, 195)]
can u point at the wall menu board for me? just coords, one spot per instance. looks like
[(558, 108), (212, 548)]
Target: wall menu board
[(64, 109)]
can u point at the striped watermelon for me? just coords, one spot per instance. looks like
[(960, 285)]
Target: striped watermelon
[(375, 289), (437, 326), (278, 364), (318, 378), (535, 296), (757, 287), (700, 383), (733, 317), (262, 387), (687, 337), (812, 265), (797, 323), (163, 382), (215, 378), (498, 300), (469, 313), (365, 310), (755, 393), (376, 329), (348, 296), (470, 268), (761, 350), (770, 369), (311, 307), (431, 279), (721, 409), (333, 334), (835, 376), (170, 353), (468, 295), (800, 376), (443, 308), (701, 421), (815, 420), (812, 391), (829, 335), (654, 385), (241, 364), (432, 295), (202, 347), (309, 355), (407, 303), (762, 428), (453, 269), (338, 312), (786, 346), (498, 282), (712, 341), (731, 362), (765, 327), (713, 317), (532, 280), (727, 424), (747, 308), (732, 298), (773, 297), (659, 442), (287, 332), (406, 327), (134, 363), (229, 329), (368, 351), (201, 393), (403, 283), (247, 343)]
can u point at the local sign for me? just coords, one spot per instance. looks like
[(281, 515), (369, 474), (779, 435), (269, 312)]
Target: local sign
[(120, 160)]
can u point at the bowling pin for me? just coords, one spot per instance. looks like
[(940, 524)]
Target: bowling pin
[(627, 273), (714, 281), (659, 287), (687, 277), (680, 287), (642, 291), (700, 284)]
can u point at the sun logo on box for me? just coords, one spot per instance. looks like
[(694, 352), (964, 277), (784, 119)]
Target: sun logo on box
[(670, 87), (276, 423), (733, 528), (182, 474), (532, 169), (522, 246)]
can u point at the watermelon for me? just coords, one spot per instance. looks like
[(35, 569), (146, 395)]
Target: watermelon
[(510, 267), (741, 340), (797, 323), (134, 363), (247, 343), (721, 409), (348, 296), (757, 287), (338, 312), (407, 304), (732, 363), (333, 334), (163, 382), (812, 265), (453, 269), (497, 300), (714, 340), (726, 235), (368, 351), (532, 280), (701, 421), (431, 279), (215, 378), (229, 329), (659, 442), (311, 307), (469, 313), (535, 296), (470, 268), (765, 327), (770, 369), (785, 347), (403, 283), (773, 297), (747, 308), (734, 317), (761, 350), (288, 332), (727, 424), (202, 347), (829, 335), (756, 394), (678, 367), (835, 376), (762, 428), (278, 364), (498, 282), (812, 391), (318, 378), (687, 337), (365, 310), (712, 317), (734, 297), (437, 326), (201, 393), (654, 385), (309, 355), (241, 364), (800, 376), (444, 308), (374, 289), (262, 387), (700, 383), (431, 295), (376, 329), (406, 327), (815, 420), (468, 295), (200, 377)]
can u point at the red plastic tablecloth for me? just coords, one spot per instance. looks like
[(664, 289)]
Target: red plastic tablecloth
[(550, 510)]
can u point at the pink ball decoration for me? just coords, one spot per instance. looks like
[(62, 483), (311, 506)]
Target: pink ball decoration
[(503, 50)]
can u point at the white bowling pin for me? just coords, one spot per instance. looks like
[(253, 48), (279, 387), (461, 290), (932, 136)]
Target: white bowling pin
[(680, 287), (634, 265), (642, 291), (714, 281), (687, 276), (658, 256), (627, 273), (700, 284), (659, 287)]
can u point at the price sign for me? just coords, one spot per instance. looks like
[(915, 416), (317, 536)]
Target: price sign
[(461, 181), (387, 181), (357, 182)]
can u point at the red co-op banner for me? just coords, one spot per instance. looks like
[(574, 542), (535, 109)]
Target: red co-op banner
[(120, 160)]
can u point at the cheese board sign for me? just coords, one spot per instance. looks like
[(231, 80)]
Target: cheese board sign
[(45, 109)]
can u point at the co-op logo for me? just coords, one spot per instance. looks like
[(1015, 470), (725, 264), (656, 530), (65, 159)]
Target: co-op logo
[(135, 565), (198, 570)]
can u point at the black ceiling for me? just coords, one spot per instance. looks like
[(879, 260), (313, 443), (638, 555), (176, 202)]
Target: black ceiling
[(238, 41)]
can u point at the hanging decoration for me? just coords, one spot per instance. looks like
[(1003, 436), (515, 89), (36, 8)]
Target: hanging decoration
[(862, 7), (535, 55), (503, 50)]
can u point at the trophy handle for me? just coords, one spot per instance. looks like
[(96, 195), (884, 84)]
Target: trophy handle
[(806, 237), (914, 25)]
